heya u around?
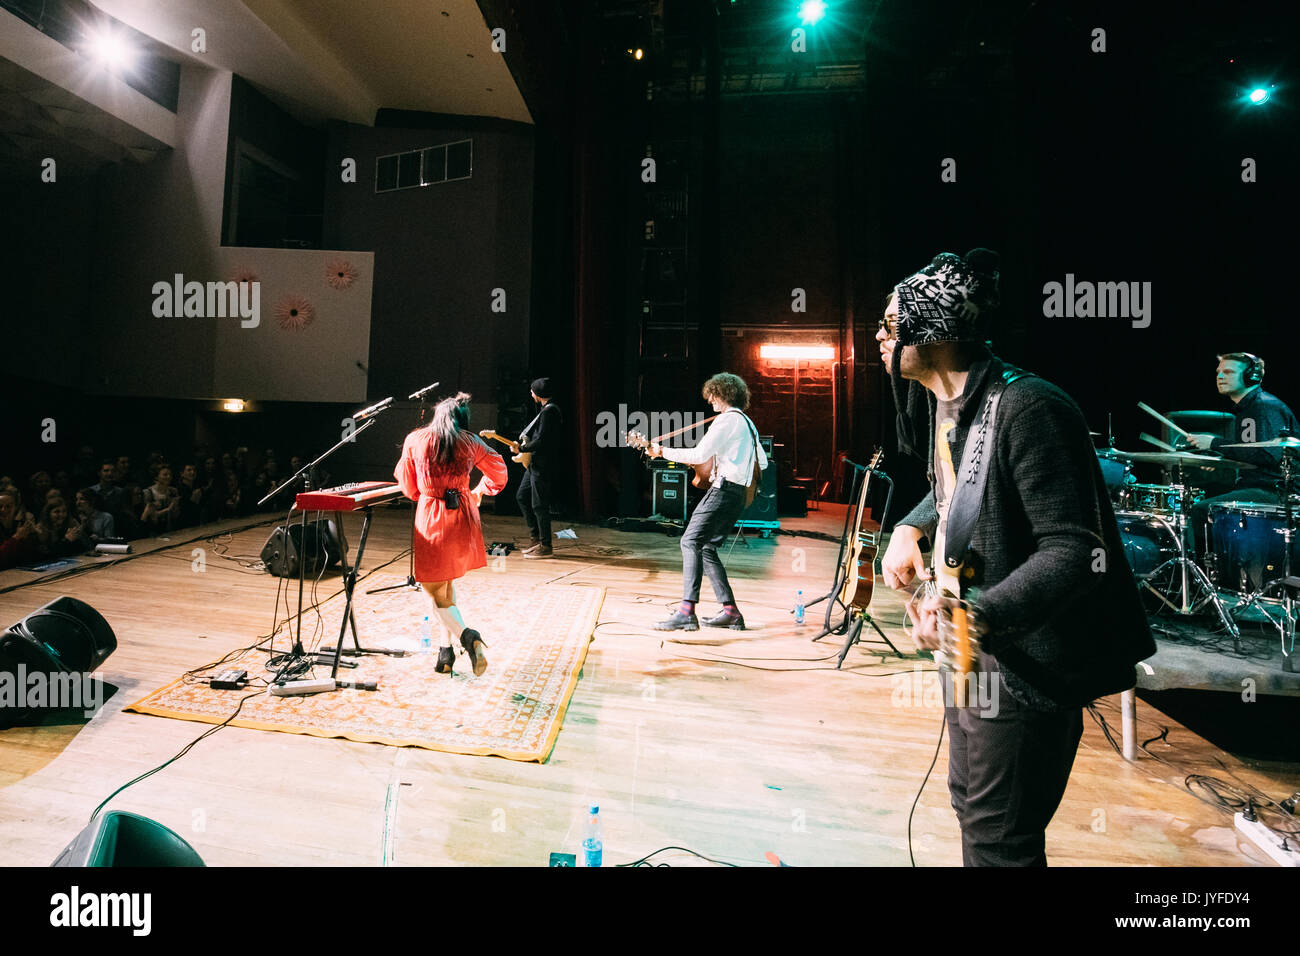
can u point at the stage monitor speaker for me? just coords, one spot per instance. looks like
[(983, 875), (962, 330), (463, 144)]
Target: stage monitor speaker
[(669, 493), (284, 548), (763, 507), (120, 839), (66, 636)]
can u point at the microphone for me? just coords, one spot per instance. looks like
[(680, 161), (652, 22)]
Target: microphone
[(423, 391), (374, 409)]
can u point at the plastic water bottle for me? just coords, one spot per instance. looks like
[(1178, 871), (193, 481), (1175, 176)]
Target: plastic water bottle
[(593, 838), (798, 608), (426, 636)]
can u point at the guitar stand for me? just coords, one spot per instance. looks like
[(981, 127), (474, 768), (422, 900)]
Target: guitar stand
[(855, 620), (852, 623)]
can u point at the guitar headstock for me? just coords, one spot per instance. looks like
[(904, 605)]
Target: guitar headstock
[(876, 459), (636, 440)]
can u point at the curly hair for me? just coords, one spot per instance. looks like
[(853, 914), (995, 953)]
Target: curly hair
[(728, 387)]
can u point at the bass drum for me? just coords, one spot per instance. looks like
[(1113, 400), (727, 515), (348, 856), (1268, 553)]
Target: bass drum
[(1148, 542), (1247, 545)]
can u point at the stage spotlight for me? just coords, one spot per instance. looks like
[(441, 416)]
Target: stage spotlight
[(110, 50), (1258, 96), (233, 405), (810, 11)]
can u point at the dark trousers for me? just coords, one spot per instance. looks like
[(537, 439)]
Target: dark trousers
[(534, 497), (709, 526), (1007, 770)]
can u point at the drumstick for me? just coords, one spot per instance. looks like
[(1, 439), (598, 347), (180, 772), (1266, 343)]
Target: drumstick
[(1164, 446), (1151, 411)]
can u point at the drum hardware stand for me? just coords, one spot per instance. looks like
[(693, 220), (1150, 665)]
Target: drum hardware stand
[(854, 618), (1288, 583), (1190, 572)]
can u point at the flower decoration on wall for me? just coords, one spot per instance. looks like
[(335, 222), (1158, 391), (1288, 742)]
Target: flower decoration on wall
[(244, 274), (340, 274), (294, 313)]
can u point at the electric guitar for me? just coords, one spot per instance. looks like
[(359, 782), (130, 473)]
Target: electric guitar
[(524, 458), (859, 569)]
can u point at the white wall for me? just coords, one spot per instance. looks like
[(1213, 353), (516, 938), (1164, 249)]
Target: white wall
[(317, 363)]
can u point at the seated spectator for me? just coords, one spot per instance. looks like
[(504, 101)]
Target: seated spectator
[(112, 497), (234, 498), (213, 482), (96, 524), (162, 504), (128, 521), (17, 538), (84, 470), (192, 498), (64, 485), (37, 486), (58, 534), (54, 494)]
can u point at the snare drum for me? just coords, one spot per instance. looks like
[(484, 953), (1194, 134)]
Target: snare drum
[(1247, 547), (1163, 500)]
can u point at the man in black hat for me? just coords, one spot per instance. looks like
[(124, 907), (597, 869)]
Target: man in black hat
[(1025, 542), (541, 439)]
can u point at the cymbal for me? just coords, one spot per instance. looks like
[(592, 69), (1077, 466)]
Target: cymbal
[(1285, 442), (1186, 459)]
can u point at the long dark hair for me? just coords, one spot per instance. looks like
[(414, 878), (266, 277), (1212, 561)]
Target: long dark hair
[(450, 418)]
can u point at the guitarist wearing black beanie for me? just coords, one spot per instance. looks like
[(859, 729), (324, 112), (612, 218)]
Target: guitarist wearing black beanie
[(1026, 552), (541, 439)]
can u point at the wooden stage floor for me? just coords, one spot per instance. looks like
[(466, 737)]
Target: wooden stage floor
[(784, 755)]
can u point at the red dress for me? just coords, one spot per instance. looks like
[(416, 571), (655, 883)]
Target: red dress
[(448, 541)]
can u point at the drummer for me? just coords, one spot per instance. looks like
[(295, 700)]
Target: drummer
[(1257, 417)]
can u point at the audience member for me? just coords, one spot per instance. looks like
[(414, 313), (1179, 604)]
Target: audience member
[(17, 537), (96, 524), (58, 534)]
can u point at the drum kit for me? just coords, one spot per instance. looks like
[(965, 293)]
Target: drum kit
[(1250, 551)]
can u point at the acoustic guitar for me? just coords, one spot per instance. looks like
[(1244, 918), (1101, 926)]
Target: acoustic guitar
[(524, 458), (859, 568)]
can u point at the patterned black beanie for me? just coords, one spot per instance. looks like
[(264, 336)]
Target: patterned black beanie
[(541, 387), (944, 301), (947, 301)]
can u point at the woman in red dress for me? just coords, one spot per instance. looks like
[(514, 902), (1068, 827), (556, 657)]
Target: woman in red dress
[(434, 470)]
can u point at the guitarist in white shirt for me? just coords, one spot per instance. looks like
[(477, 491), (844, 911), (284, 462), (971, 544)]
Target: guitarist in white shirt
[(731, 443)]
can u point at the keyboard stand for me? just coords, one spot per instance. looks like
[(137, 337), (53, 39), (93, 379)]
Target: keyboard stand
[(349, 584)]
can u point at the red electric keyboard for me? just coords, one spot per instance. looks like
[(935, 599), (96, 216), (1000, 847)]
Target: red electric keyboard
[(350, 497)]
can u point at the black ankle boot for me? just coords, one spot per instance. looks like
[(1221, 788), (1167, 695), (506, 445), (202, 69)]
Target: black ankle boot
[(446, 657), (472, 641)]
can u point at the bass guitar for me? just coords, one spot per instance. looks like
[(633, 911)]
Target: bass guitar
[(524, 458)]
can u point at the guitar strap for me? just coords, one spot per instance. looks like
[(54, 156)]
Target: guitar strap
[(756, 473), (968, 495), (523, 435)]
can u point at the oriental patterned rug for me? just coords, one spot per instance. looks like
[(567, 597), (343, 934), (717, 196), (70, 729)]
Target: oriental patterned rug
[(536, 640)]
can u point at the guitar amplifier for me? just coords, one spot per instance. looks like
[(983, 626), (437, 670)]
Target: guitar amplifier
[(669, 486), (284, 548), (762, 512)]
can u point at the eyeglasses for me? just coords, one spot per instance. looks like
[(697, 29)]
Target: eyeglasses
[(889, 326)]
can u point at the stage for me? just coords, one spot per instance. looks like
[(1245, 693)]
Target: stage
[(768, 751)]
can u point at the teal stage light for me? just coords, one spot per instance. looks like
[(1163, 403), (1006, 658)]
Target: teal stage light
[(1258, 96), (810, 11)]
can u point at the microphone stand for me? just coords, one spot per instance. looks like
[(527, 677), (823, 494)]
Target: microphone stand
[(410, 564)]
